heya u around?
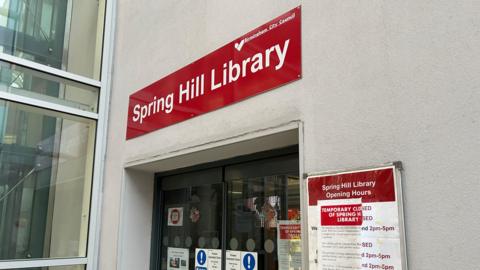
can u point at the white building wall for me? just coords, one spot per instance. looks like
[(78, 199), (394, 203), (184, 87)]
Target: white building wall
[(382, 81)]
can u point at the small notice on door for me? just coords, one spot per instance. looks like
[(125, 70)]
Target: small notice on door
[(249, 261), (208, 259), (289, 245), (201, 259), (175, 216), (214, 259), (233, 260), (177, 259)]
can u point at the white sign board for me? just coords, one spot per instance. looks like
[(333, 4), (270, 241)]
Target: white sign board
[(177, 259), (233, 260), (214, 259), (356, 220), (208, 259)]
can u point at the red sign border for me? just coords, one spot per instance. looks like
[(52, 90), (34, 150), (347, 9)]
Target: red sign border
[(391, 169), (299, 76)]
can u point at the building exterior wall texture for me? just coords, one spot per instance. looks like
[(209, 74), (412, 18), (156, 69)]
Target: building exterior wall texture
[(382, 81)]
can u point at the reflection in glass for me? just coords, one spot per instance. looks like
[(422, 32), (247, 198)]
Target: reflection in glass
[(176, 241), (165, 241), (202, 218), (64, 34), (257, 195), (46, 161), (255, 205), (33, 84)]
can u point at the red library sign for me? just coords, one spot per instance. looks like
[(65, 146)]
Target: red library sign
[(265, 58), (371, 185)]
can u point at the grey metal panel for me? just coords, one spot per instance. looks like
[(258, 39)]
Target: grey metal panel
[(197, 178), (265, 167)]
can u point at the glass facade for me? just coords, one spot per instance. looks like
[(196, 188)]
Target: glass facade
[(46, 161), (49, 113), (39, 85), (64, 34)]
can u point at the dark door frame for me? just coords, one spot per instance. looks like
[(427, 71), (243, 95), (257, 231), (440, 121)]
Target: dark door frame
[(158, 206)]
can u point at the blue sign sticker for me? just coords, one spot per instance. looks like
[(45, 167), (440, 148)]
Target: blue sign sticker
[(201, 257), (249, 262)]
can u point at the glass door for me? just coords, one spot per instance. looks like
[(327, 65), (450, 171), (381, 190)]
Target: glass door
[(192, 217), (262, 196), (236, 211)]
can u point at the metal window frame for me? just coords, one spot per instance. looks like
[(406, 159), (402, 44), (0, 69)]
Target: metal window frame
[(20, 264), (50, 70), (47, 105), (93, 240), (101, 143)]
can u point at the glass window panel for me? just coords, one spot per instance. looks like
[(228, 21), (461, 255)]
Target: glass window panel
[(46, 161), (30, 83), (200, 206), (68, 267), (65, 34), (260, 195), (254, 208)]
